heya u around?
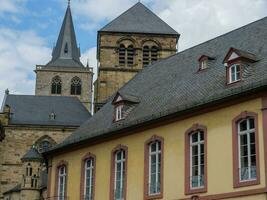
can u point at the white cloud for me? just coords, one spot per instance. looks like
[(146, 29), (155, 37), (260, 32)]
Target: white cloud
[(11, 6), (20, 51)]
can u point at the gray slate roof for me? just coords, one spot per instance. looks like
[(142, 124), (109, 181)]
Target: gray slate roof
[(32, 155), (35, 110), (66, 41), (139, 19), (176, 86)]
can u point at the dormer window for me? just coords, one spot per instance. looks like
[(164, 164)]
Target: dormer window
[(236, 61), (119, 113), (234, 73), (204, 62), (123, 105)]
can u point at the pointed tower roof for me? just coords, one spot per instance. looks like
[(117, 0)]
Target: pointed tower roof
[(32, 155), (139, 19), (66, 53)]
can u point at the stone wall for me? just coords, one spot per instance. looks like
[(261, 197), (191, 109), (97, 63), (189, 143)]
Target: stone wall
[(111, 76), (44, 79), (17, 142)]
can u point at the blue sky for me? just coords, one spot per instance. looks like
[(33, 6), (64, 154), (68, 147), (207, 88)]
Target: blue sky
[(29, 28)]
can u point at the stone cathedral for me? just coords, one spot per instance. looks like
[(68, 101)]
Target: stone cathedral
[(31, 124)]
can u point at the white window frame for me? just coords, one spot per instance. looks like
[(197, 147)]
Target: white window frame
[(61, 180), (247, 133), (236, 72), (204, 64), (122, 163), (119, 113), (158, 170), (198, 144), (89, 174)]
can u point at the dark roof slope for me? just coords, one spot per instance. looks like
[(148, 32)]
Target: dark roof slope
[(35, 110), (17, 188), (32, 155), (174, 85), (66, 53), (139, 19)]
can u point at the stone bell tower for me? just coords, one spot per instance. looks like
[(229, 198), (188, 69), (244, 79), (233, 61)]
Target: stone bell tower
[(31, 179), (132, 41)]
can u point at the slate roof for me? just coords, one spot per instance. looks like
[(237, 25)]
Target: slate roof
[(139, 19), (32, 155), (174, 86), (17, 188), (66, 41), (35, 110)]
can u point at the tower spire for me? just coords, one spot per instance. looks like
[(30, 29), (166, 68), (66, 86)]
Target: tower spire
[(66, 52)]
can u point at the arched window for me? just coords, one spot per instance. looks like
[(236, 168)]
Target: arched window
[(56, 85), (76, 86), (246, 152), (150, 55), (119, 173), (28, 170), (88, 177), (154, 167), (122, 55), (130, 56), (44, 146), (145, 56), (61, 181), (196, 159)]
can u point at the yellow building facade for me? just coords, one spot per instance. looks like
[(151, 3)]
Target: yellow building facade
[(219, 158)]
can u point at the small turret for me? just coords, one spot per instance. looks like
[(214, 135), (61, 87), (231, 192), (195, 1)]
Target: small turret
[(32, 166)]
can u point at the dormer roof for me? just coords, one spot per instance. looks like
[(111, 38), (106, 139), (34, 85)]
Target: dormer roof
[(203, 57), (122, 97), (234, 53)]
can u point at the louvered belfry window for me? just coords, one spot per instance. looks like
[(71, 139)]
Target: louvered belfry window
[(126, 56), (56, 85), (150, 55), (76, 86), (122, 55)]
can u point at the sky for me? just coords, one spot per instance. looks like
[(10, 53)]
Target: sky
[(29, 29)]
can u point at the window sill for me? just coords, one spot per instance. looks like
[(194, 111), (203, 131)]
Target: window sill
[(246, 183), (154, 196), (196, 191)]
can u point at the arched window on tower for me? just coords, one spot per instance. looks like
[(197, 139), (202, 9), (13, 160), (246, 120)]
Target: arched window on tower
[(130, 56), (28, 170), (76, 86), (56, 85), (150, 55), (44, 146), (145, 56), (122, 52)]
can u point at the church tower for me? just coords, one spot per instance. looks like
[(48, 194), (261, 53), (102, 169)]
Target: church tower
[(130, 42), (65, 75)]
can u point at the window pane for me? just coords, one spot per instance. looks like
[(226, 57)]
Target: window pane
[(243, 125), (252, 137), (194, 150), (243, 139), (251, 123), (194, 137)]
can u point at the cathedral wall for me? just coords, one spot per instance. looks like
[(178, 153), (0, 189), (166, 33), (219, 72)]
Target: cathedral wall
[(17, 142), (44, 80)]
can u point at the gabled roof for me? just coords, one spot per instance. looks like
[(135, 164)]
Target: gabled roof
[(240, 53), (35, 110), (171, 87), (124, 97), (139, 19), (32, 155), (66, 52)]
